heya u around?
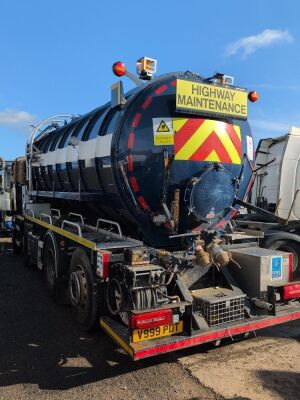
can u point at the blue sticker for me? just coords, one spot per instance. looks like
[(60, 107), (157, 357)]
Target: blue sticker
[(276, 268)]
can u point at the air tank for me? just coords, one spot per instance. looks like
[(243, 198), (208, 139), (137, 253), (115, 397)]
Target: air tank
[(159, 172)]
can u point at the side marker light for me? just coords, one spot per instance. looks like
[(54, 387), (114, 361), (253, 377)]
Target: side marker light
[(253, 96), (119, 68)]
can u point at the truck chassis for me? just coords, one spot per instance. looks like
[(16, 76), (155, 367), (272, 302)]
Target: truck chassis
[(58, 244)]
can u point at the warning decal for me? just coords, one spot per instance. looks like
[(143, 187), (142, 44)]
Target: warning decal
[(210, 99), (163, 131), (201, 139), (163, 127)]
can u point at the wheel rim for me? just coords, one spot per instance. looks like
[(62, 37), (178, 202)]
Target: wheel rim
[(78, 288), (114, 297), (115, 300)]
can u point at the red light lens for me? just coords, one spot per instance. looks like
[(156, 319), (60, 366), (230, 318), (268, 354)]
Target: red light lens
[(291, 261), (291, 291), (151, 319), (103, 264), (119, 68), (253, 96)]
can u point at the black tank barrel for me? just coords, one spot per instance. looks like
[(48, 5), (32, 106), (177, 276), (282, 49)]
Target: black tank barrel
[(158, 171)]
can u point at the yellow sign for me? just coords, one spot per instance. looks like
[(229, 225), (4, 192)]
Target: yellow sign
[(163, 131), (140, 335), (208, 98)]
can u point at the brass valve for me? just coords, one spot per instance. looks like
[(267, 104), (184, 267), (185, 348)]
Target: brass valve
[(202, 256), (219, 256)]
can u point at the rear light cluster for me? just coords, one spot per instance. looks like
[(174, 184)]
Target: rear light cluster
[(291, 291), (103, 264), (291, 261), (151, 319)]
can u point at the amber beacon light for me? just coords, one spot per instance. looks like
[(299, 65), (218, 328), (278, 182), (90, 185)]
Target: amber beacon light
[(119, 68), (253, 96)]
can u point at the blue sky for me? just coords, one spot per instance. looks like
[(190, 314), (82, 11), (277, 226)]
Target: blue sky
[(56, 56)]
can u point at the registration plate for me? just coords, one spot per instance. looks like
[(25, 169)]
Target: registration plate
[(160, 331)]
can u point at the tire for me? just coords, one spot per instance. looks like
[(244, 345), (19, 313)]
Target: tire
[(51, 264), (83, 292), (291, 247), (256, 218), (17, 249), (28, 262)]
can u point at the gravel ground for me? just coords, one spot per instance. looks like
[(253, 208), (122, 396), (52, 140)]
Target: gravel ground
[(262, 368), (44, 355)]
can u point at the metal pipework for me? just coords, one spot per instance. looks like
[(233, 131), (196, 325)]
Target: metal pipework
[(202, 256), (263, 304), (219, 256)]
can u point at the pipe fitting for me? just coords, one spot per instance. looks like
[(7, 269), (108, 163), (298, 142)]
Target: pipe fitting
[(219, 256), (202, 256)]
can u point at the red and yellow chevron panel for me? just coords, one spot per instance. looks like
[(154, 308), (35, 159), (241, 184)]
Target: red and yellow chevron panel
[(201, 139)]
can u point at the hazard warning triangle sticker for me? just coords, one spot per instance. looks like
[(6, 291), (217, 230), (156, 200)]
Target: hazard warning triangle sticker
[(163, 133), (163, 128)]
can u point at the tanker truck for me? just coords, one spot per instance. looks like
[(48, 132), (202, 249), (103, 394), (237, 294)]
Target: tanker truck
[(127, 211)]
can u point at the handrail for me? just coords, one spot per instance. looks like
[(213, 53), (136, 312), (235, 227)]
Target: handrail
[(70, 223), (107, 221), (32, 212), (52, 119), (56, 210), (31, 137), (77, 215), (46, 216)]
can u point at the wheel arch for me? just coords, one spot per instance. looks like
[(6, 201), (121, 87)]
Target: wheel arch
[(272, 236)]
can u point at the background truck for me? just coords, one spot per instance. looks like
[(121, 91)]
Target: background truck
[(5, 184), (126, 212), (276, 189)]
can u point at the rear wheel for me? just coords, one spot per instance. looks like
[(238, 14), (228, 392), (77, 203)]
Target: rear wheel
[(290, 247), (28, 260), (16, 247), (51, 264), (83, 291)]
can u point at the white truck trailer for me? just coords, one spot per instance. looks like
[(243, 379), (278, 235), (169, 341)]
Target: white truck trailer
[(276, 189)]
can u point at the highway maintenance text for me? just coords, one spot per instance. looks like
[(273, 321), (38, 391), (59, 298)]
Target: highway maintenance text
[(213, 99)]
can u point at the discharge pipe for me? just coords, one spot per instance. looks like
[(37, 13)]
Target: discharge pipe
[(262, 304)]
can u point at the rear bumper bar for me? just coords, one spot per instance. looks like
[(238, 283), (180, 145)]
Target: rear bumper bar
[(171, 343)]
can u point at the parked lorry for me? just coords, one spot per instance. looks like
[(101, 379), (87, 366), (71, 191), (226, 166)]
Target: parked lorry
[(5, 182), (276, 189), (126, 211)]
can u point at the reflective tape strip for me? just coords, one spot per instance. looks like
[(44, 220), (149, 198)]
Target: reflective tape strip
[(117, 338), (211, 336), (63, 232), (201, 139)]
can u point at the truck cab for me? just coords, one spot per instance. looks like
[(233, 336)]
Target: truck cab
[(5, 183)]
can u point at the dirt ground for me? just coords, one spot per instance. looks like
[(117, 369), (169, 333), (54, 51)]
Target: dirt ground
[(44, 355), (263, 368)]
